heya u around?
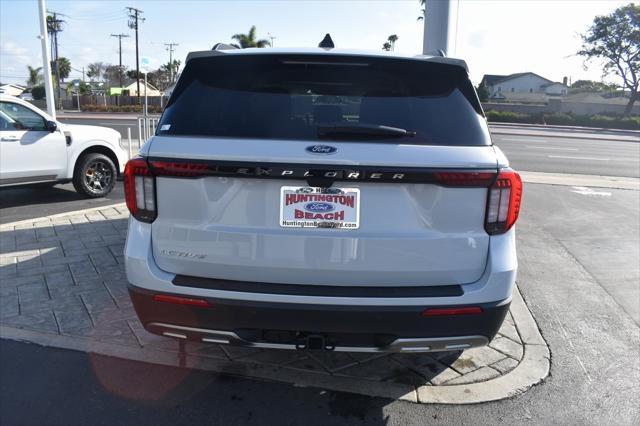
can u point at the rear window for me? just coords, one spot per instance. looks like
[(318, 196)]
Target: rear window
[(321, 97)]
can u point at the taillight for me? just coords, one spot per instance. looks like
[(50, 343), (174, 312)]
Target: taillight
[(503, 202), (179, 169), (465, 179), (140, 190)]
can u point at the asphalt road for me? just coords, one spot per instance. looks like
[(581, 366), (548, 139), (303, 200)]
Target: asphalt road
[(28, 203), (561, 154), (528, 149), (578, 274)]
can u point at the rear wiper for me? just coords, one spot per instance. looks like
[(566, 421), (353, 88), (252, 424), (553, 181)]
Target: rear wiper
[(362, 130)]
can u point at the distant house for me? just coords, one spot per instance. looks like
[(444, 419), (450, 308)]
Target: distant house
[(500, 86), (133, 89), (12, 89)]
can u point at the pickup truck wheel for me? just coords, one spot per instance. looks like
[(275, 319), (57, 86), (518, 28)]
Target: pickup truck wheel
[(94, 176)]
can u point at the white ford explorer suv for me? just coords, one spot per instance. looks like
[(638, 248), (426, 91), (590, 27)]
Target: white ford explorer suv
[(322, 199), (36, 149)]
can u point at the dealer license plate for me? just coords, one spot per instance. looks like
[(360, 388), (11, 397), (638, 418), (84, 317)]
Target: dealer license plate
[(312, 207)]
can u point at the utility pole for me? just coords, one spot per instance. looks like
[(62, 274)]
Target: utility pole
[(134, 18), (54, 26), (170, 47), (46, 63), (120, 36), (437, 27)]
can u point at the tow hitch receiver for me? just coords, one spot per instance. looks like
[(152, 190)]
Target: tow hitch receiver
[(314, 342)]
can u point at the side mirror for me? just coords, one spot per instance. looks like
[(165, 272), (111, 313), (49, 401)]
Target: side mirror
[(51, 126)]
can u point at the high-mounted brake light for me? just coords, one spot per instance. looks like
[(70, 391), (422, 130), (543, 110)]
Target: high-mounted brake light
[(503, 202), (140, 190)]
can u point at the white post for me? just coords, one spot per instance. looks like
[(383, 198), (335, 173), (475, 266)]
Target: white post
[(129, 138), (46, 60), (437, 27), (146, 107)]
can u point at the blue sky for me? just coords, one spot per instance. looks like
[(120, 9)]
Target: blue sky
[(495, 37)]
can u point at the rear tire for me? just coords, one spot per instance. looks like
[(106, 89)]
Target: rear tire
[(94, 175)]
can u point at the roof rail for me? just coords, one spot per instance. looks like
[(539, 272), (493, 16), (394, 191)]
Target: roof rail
[(223, 46)]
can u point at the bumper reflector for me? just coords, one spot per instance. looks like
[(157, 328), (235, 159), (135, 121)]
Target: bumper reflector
[(435, 312), (180, 300)]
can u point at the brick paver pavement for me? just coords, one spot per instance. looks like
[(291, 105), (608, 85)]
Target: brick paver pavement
[(64, 275)]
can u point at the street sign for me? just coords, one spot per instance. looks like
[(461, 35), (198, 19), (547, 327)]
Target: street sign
[(145, 64)]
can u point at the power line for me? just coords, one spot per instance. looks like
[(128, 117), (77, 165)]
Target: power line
[(170, 47), (120, 37), (134, 18)]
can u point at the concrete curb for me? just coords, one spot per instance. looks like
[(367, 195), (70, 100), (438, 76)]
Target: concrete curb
[(52, 217), (532, 369)]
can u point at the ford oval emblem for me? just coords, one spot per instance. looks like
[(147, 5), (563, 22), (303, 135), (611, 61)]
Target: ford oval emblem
[(322, 149), (318, 207)]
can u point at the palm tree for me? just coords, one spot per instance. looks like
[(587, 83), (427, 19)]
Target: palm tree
[(386, 46), (249, 39), (35, 78), (392, 40), (421, 17), (64, 67)]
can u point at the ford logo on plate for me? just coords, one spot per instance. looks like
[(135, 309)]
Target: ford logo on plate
[(322, 149), (318, 207)]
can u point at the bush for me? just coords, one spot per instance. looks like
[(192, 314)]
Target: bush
[(509, 117), (566, 119), (38, 92), (119, 108)]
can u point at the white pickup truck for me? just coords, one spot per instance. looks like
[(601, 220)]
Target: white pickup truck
[(36, 149)]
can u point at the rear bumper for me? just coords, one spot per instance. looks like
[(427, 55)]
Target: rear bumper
[(348, 322), (342, 328)]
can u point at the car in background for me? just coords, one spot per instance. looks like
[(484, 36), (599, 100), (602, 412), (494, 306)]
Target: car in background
[(26, 96), (322, 199), (36, 149)]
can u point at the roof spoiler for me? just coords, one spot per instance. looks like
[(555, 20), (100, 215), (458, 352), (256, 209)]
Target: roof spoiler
[(223, 46)]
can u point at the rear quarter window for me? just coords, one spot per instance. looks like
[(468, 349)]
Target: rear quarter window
[(275, 96)]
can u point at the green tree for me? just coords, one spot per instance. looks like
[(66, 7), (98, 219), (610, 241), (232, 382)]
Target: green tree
[(111, 75), (64, 67), (392, 41), (35, 78), (483, 92), (95, 70), (249, 39), (38, 92), (615, 40), (386, 46)]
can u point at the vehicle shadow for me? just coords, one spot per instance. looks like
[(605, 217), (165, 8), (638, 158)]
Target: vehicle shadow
[(20, 203), (37, 194)]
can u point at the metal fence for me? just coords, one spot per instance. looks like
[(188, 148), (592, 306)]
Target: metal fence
[(146, 128)]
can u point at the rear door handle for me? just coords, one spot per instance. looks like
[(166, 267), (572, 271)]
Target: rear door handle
[(9, 138)]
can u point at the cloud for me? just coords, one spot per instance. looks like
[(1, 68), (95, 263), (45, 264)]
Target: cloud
[(12, 52), (478, 38)]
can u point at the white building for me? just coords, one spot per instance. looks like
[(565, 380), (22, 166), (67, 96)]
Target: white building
[(500, 86), (151, 90), (11, 89)]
